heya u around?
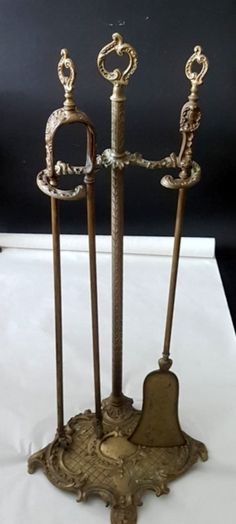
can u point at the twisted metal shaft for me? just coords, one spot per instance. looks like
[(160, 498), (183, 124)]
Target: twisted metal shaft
[(117, 231)]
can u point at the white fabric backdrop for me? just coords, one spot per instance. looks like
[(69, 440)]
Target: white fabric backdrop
[(204, 352)]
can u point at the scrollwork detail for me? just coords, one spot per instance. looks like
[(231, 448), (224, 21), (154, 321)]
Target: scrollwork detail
[(189, 118), (47, 185), (63, 168), (121, 483), (183, 182), (65, 62), (107, 158), (200, 58), (117, 77)]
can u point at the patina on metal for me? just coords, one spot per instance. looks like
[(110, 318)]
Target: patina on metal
[(118, 452), (117, 404), (47, 181), (159, 423)]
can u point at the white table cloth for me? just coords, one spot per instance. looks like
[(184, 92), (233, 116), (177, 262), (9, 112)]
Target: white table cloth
[(203, 349)]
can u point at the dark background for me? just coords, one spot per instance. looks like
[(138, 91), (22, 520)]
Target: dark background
[(164, 34)]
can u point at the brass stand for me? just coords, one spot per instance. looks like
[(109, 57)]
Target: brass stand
[(94, 452)]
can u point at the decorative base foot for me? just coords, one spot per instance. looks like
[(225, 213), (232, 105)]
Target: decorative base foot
[(112, 467)]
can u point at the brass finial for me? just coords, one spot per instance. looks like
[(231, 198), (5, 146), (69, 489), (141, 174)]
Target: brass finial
[(195, 78), (117, 77), (67, 80)]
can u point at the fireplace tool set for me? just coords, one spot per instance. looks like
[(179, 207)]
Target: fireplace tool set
[(118, 452)]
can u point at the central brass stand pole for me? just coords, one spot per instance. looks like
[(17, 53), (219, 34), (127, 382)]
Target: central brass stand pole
[(58, 314), (117, 405), (173, 279), (117, 230)]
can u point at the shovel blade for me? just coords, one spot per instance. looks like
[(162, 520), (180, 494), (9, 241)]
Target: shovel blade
[(159, 424)]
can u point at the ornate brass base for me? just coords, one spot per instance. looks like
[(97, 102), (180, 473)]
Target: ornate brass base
[(113, 468), (116, 411)]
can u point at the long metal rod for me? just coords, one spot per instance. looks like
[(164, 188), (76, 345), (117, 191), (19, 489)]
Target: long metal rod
[(94, 304), (58, 313), (174, 270), (117, 231), (117, 281)]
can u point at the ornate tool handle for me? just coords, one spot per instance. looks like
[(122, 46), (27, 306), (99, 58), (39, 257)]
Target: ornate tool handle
[(189, 122), (116, 76), (47, 179), (190, 114)]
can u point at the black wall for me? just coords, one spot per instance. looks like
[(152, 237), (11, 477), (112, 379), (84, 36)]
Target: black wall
[(164, 34)]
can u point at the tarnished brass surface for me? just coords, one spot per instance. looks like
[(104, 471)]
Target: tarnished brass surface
[(119, 79), (55, 225), (118, 453), (189, 122), (159, 423), (135, 159), (188, 176), (112, 468), (47, 179), (118, 159), (116, 410)]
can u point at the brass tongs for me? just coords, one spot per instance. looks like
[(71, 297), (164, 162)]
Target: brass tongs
[(47, 181)]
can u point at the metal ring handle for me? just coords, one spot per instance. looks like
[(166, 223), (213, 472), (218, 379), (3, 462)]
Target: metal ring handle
[(117, 77)]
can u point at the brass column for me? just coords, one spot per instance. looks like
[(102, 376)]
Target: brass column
[(115, 158), (117, 231)]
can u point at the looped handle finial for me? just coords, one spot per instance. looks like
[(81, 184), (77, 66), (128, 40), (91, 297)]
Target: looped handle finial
[(190, 117), (117, 77), (196, 78), (67, 81)]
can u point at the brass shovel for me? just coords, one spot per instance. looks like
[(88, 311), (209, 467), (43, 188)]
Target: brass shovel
[(159, 424)]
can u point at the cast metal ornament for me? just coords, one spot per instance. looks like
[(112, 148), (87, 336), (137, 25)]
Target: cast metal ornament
[(117, 77), (93, 454), (47, 179), (113, 468)]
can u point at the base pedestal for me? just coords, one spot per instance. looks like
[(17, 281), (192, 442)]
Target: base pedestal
[(113, 468)]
